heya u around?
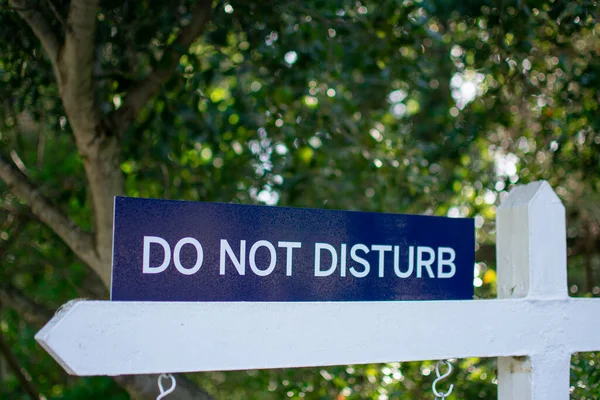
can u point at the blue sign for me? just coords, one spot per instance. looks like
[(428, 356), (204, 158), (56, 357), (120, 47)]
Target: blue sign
[(191, 251)]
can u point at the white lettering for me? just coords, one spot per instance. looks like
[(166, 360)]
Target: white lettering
[(146, 268), (359, 260), (252, 258), (449, 262), (331, 249), (288, 261), (425, 262), (343, 260), (238, 263), (409, 271), (381, 249), (199, 256)]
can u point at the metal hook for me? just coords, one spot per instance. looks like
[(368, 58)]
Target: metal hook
[(437, 394), (163, 392)]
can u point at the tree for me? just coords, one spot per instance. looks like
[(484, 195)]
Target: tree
[(423, 107)]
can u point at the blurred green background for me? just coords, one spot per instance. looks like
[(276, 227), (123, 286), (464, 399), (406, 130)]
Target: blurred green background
[(427, 107)]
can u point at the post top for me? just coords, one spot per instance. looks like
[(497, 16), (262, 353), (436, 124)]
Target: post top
[(539, 193), (531, 244)]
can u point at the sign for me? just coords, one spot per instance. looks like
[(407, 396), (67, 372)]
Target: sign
[(192, 251)]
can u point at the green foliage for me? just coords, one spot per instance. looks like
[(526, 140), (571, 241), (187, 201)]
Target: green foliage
[(585, 376), (435, 107)]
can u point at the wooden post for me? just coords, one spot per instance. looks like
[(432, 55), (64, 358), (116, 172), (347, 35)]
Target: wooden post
[(531, 254)]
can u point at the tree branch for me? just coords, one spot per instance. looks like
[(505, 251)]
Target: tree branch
[(99, 147), (41, 28), (56, 14), (73, 63), (80, 242), (32, 312), (22, 375), (96, 142), (75, 68), (146, 88)]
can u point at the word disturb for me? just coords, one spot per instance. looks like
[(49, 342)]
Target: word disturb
[(191, 251)]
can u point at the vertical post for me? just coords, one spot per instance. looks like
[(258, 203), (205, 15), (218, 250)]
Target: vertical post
[(531, 262)]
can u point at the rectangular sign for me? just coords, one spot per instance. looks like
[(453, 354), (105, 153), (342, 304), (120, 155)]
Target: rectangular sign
[(192, 251)]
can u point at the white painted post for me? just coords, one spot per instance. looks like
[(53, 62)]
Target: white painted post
[(532, 263)]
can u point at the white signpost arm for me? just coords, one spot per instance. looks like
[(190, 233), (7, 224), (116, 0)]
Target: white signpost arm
[(531, 263), (115, 338)]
